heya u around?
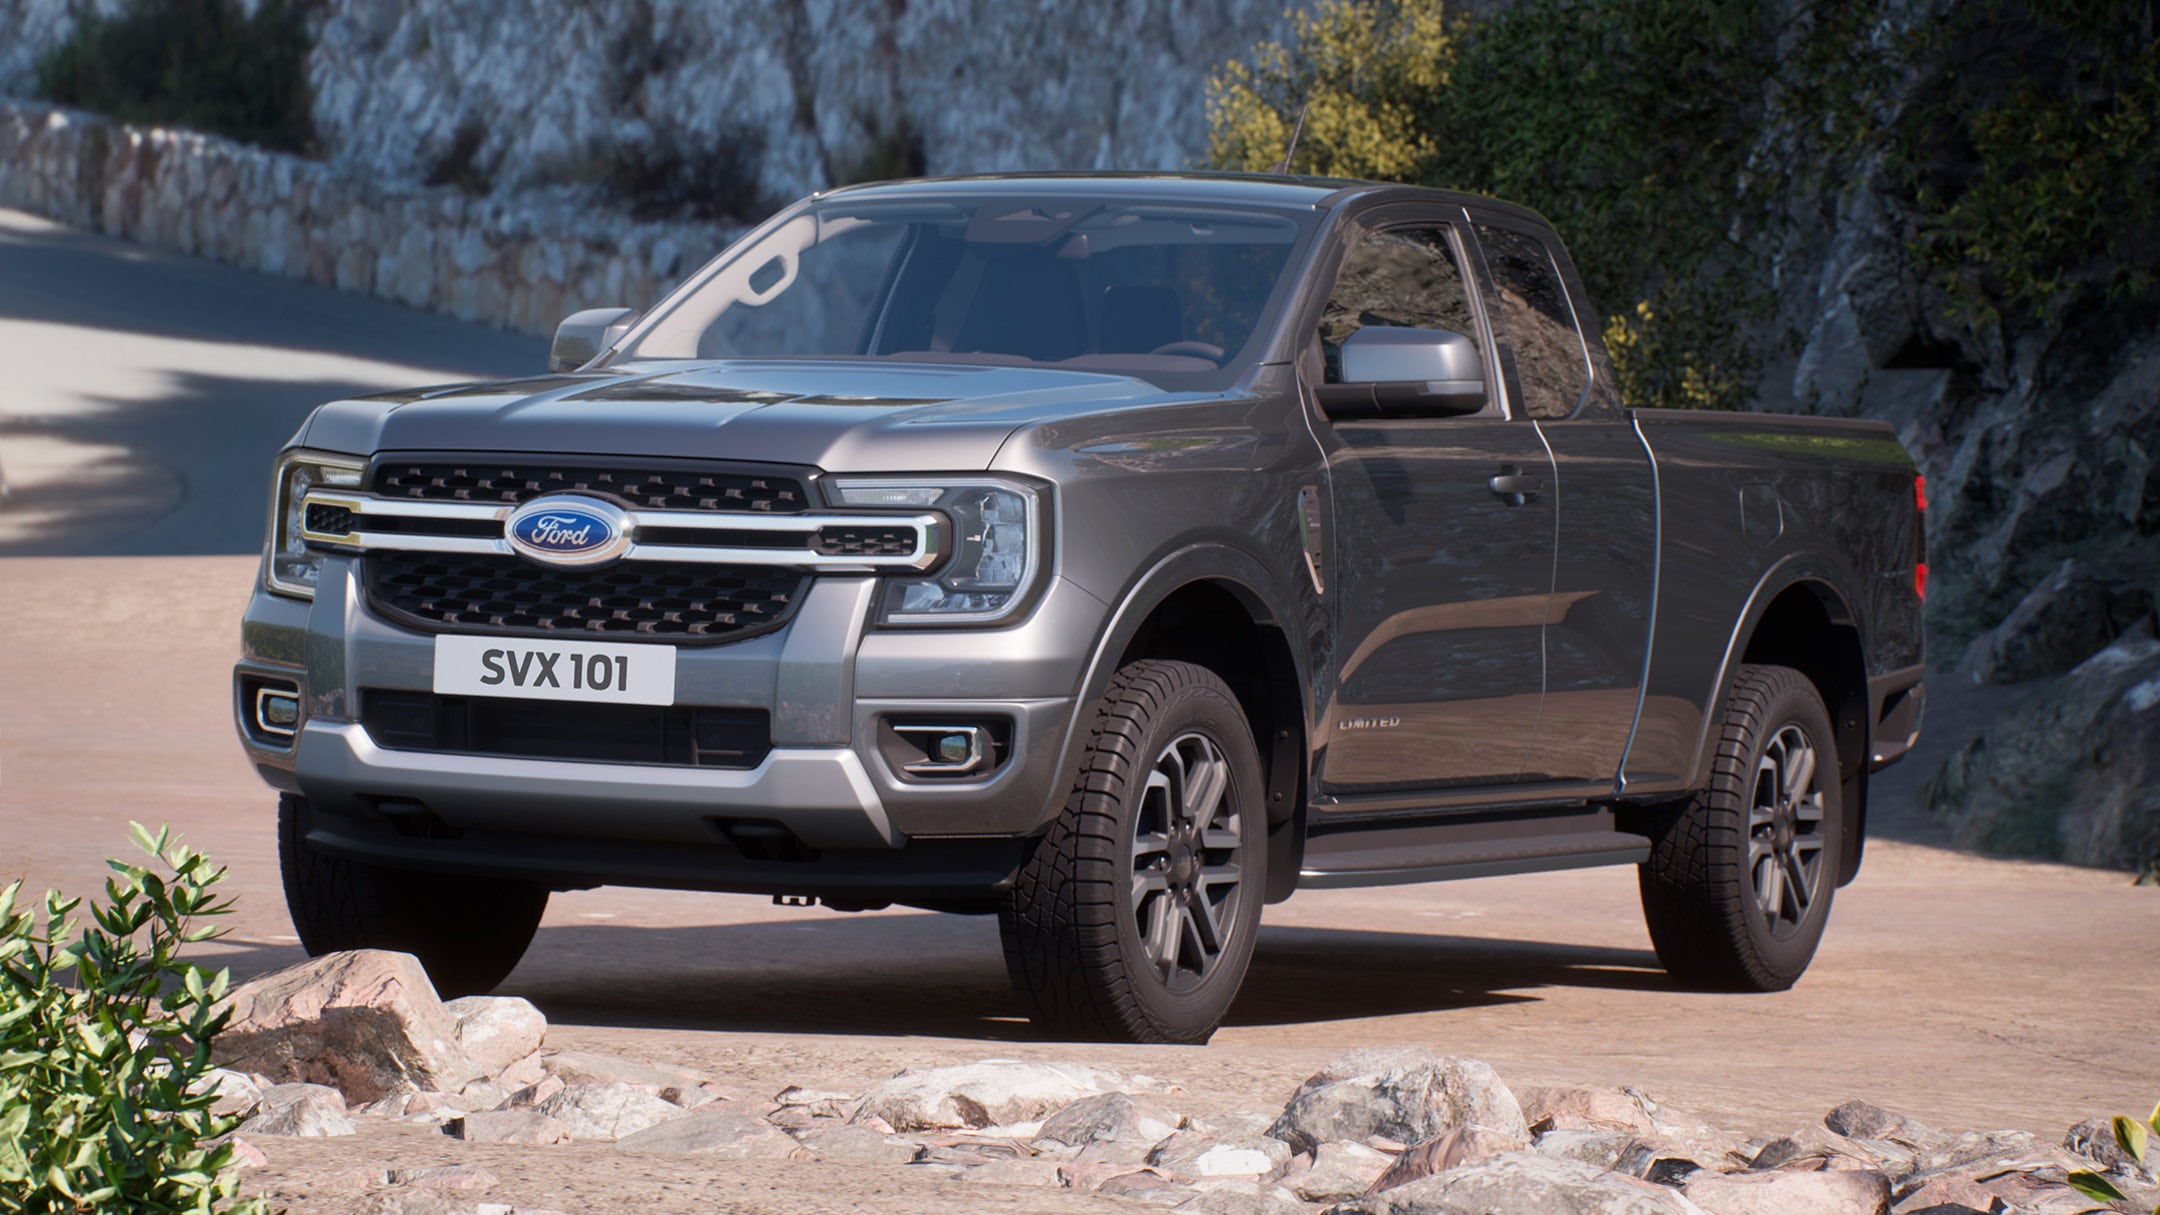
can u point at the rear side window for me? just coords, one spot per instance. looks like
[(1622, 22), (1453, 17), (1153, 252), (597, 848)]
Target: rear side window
[(1400, 276), (1535, 317)]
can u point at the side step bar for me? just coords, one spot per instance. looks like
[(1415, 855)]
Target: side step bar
[(1345, 860)]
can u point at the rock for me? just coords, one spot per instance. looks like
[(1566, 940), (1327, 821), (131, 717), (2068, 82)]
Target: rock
[(795, 1095), (606, 1111), (529, 1127), (237, 1093), (1338, 1171), (1146, 1185), (582, 1067), (481, 1095), (1947, 1194), (1859, 1120), (497, 1032), (1198, 1154), (996, 1092), (1831, 1192), (1524, 1184), (1405, 1093), (525, 1072), (2069, 616), (366, 1023), (1450, 1149), (445, 1177), (536, 1092), (1585, 1109), (307, 1111), (723, 1134), (1603, 1149), (2094, 1139), (860, 1145), (1110, 1117), (2075, 775), (246, 1155), (1240, 1200)]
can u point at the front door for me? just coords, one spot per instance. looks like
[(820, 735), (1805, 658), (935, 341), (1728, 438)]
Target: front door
[(1443, 538)]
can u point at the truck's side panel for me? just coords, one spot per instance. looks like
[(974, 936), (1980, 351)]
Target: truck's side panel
[(1756, 504)]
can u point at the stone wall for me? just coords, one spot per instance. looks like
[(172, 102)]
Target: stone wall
[(529, 93), (522, 262)]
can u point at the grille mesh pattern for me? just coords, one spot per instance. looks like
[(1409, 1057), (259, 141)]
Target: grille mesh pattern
[(501, 594), (651, 489), (331, 520), (866, 541)]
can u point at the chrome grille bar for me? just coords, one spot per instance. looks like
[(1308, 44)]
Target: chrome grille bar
[(926, 528)]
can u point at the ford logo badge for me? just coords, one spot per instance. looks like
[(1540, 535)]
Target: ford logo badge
[(568, 529)]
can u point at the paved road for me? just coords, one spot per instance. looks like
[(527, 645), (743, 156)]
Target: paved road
[(1965, 991)]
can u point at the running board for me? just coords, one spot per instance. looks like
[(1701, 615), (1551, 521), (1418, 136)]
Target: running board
[(1440, 862)]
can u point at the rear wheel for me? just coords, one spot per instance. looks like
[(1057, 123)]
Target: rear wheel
[(1740, 876), (468, 932), (1133, 918)]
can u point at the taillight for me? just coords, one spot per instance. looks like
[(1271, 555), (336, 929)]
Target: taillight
[(1919, 572)]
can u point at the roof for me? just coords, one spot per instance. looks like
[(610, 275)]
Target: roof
[(1275, 189)]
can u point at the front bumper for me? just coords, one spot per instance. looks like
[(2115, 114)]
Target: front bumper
[(826, 678)]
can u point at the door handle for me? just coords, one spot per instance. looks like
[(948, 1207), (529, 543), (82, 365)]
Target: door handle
[(1513, 486)]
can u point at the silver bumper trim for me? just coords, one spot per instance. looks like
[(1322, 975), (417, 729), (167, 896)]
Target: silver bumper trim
[(823, 794)]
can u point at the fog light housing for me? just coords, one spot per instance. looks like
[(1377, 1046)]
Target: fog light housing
[(930, 749), (269, 710)]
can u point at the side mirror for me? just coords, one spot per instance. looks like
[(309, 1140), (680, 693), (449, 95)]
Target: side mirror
[(1391, 371), (583, 335)]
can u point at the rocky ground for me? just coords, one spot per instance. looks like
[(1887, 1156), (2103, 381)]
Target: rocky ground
[(362, 1091)]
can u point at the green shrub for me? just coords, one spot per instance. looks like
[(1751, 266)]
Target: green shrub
[(203, 64), (105, 1041)]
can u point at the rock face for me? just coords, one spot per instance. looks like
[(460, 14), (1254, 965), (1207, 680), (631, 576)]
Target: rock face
[(723, 1134), (366, 1023), (1406, 1094), (1111, 1117), (1524, 1184), (555, 93), (2076, 775), (306, 1111), (997, 1092)]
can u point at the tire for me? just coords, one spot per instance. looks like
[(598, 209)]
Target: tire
[(1107, 928), (1741, 875), (468, 932)]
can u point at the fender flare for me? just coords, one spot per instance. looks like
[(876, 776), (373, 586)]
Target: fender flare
[(1256, 587)]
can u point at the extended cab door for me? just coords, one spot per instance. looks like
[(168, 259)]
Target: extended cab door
[(1597, 635), (1442, 542)]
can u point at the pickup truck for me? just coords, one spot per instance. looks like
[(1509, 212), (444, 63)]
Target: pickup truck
[(1114, 554)]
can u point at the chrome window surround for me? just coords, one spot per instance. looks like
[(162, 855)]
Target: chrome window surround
[(928, 528)]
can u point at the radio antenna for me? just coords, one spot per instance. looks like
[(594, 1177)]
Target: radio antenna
[(1283, 166)]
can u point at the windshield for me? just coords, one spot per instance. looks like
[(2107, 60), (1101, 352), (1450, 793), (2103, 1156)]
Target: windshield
[(1172, 292)]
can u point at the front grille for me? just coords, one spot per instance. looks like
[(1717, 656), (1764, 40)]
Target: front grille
[(543, 729), (866, 541), (330, 520), (682, 602), (513, 481)]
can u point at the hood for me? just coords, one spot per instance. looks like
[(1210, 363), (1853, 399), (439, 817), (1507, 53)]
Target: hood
[(840, 416)]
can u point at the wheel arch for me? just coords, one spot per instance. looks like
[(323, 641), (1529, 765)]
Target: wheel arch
[(1218, 607), (1799, 617)]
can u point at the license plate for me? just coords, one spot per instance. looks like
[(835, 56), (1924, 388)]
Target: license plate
[(555, 670)]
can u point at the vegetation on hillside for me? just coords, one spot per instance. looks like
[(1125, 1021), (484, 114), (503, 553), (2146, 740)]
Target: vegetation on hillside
[(1682, 146), (206, 64)]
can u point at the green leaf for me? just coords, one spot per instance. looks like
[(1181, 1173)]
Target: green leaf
[(2130, 1137), (2094, 1186), (2154, 1121)]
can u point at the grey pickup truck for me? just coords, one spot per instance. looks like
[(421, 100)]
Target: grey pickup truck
[(1114, 554)]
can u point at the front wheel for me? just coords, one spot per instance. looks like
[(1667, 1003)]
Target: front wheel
[(1740, 876), (1133, 918), (468, 932)]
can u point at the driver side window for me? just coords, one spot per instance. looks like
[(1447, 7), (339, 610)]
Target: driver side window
[(1398, 276)]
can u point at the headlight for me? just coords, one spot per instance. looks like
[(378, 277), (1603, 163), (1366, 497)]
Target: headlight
[(997, 547), (292, 569)]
